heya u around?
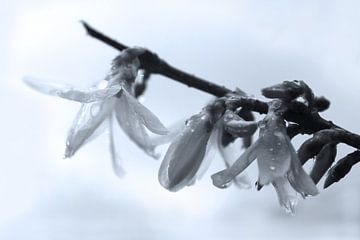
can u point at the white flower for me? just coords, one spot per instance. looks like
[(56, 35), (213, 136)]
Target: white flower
[(100, 106), (277, 161)]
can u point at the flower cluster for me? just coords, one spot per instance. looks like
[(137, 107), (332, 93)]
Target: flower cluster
[(277, 161), (217, 125)]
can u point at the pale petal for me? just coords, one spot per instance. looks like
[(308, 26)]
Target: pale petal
[(132, 125), (273, 157), (88, 119), (98, 131), (150, 121), (286, 195), (228, 155), (224, 177), (174, 130), (298, 178), (70, 93), (185, 154), (237, 126), (117, 162), (208, 157)]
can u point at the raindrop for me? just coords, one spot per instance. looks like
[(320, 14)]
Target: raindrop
[(272, 168), (271, 149), (192, 130)]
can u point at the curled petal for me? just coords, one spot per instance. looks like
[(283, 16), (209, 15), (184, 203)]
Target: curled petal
[(286, 195), (67, 92), (227, 153), (114, 151), (132, 124), (237, 126), (299, 179), (148, 119), (88, 119), (224, 177), (185, 154)]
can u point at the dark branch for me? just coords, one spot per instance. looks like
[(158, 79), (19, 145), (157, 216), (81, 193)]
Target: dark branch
[(152, 63), (309, 121)]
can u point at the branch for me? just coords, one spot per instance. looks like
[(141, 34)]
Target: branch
[(152, 63), (309, 122)]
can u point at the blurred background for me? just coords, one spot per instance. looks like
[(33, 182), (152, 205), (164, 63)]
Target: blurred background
[(246, 44)]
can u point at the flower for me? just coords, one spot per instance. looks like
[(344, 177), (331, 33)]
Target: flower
[(186, 161), (100, 106), (184, 157), (277, 160)]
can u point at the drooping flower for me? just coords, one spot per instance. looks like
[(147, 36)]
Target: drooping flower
[(100, 106), (184, 157), (277, 160), (185, 160)]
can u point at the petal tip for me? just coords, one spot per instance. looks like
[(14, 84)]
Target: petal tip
[(219, 180)]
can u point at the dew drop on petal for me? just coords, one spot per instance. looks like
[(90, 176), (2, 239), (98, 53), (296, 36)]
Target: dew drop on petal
[(272, 168)]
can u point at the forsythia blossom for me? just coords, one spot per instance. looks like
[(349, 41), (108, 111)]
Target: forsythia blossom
[(99, 106), (185, 155), (184, 161), (277, 161)]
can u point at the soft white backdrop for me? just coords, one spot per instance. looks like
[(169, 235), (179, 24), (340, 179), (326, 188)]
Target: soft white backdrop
[(249, 44)]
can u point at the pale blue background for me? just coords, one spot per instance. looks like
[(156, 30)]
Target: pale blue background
[(250, 44)]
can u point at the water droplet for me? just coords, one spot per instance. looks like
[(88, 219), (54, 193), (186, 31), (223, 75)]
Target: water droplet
[(192, 130), (271, 149), (272, 168), (272, 159), (279, 143), (203, 117)]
